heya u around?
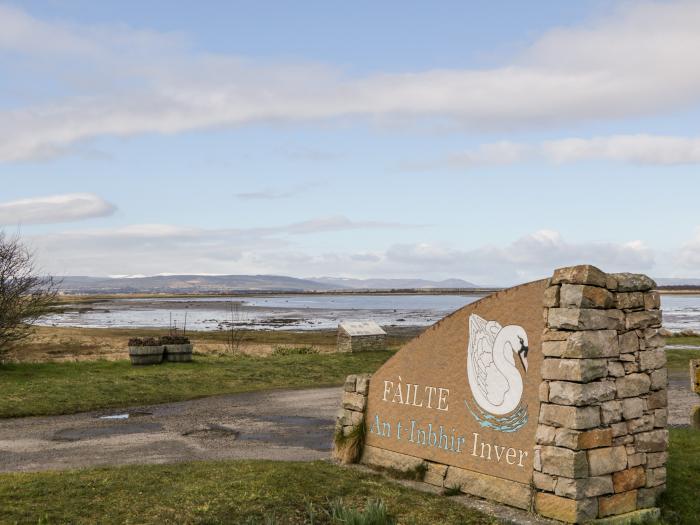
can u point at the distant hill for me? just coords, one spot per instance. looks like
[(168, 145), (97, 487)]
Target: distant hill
[(76, 284), (189, 284), (389, 284)]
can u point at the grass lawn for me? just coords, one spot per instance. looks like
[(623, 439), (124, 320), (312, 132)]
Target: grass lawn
[(680, 504), (64, 388), (257, 491), (247, 492)]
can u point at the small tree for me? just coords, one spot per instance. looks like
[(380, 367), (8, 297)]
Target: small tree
[(24, 295)]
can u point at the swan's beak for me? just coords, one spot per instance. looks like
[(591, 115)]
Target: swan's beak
[(523, 359)]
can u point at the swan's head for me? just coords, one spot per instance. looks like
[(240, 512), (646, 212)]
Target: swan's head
[(518, 341), (522, 352)]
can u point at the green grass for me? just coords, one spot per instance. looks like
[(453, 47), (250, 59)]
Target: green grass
[(678, 359), (220, 492), (680, 504), (256, 491), (64, 388)]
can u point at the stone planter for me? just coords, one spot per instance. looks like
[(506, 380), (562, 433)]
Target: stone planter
[(178, 353), (146, 355)]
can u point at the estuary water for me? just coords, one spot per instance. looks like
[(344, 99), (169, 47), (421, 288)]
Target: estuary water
[(302, 312)]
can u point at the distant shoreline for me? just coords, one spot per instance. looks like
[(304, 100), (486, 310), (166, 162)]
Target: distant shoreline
[(87, 296)]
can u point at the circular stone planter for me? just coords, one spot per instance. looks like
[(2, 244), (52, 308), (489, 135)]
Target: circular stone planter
[(178, 353), (146, 355)]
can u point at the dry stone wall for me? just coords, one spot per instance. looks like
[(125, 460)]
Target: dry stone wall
[(601, 442), (360, 343)]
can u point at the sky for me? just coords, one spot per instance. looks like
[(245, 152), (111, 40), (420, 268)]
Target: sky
[(488, 141)]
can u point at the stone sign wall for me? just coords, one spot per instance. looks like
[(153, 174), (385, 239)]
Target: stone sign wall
[(549, 396)]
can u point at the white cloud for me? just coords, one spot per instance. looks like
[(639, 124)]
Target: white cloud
[(634, 149), (54, 208), (640, 60), (277, 193), (155, 249)]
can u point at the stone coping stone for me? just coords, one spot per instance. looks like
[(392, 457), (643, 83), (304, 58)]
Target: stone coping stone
[(637, 517), (490, 487), (388, 459)]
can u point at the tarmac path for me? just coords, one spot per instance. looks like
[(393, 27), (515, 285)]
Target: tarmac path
[(279, 425)]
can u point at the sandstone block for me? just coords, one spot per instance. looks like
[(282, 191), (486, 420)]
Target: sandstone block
[(655, 341), (553, 348), (652, 441), (658, 399), (618, 429), (629, 479), (565, 509), (362, 386), (585, 319), (631, 368), (606, 460), (610, 412), (435, 474), (579, 370), (641, 424), (565, 437), (489, 487), (615, 368), (599, 437), (652, 301), (545, 435), (632, 385), (577, 418), (633, 407), (656, 476), (643, 319), (580, 394), (543, 391), (380, 457), (591, 344), (354, 401), (623, 440), (582, 274), (551, 297), (543, 481), (633, 282), (652, 359), (564, 462), (636, 459), (647, 497), (629, 342), (629, 300), (584, 487), (584, 296), (659, 379), (350, 382), (657, 459), (555, 335), (617, 504)]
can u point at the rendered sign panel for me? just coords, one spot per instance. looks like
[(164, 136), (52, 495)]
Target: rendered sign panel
[(465, 392)]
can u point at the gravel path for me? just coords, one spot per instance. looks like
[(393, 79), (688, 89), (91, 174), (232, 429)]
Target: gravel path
[(292, 425)]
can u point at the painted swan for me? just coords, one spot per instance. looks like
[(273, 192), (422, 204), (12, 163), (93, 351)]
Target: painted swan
[(494, 378)]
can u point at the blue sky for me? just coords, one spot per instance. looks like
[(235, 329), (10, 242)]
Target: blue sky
[(488, 141)]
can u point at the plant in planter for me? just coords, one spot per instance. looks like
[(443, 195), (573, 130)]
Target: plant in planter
[(178, 348), (146, 351)]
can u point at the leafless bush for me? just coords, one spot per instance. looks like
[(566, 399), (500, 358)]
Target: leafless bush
[(234, 332), (24, 295)]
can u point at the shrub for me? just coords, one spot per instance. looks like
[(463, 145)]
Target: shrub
[(174, 340), (294, 350), (146, 341), (349, 448)]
